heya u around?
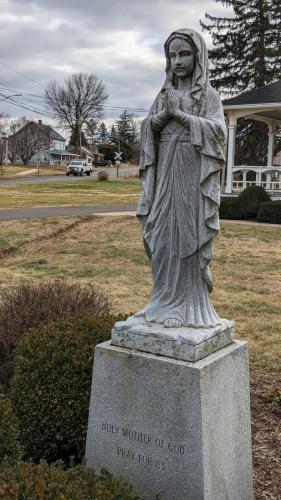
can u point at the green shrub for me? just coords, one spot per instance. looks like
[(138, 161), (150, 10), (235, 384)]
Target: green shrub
[(249, 201), (26, 481), (9, 433), (229, 208), (270, 212), (30, 305), (50, 390)]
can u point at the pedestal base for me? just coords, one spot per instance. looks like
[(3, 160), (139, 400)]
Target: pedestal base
[(185, 343), (172, 427)]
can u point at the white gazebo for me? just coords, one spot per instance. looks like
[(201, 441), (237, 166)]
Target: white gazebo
[(262, 104)]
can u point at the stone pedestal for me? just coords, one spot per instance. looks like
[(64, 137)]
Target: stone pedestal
[(173, 427), (185, 343)]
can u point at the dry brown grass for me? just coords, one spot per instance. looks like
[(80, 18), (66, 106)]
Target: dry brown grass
[(108, 252), (266, 437)]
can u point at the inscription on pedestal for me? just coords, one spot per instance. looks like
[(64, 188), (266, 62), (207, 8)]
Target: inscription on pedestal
[(129, 446)]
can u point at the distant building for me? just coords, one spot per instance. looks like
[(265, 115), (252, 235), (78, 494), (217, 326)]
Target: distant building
[(52, 149), (92, 152)]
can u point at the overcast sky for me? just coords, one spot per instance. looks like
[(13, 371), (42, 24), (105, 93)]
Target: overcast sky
[(120, 41)]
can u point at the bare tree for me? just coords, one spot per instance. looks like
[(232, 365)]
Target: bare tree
[(78, 100), (15, 125), (28, 140)]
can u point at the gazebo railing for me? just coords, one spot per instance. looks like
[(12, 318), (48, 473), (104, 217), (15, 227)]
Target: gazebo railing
[(273, 187)]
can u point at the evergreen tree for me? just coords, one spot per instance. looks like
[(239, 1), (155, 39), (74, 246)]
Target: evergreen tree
[(246, 54), (102, 134), (113, 137), (108, 150), (246, 46), (126, 132)]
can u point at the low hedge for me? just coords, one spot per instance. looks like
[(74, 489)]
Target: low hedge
[(27, 481), (50, 390), (9, 433), (229, 208), (270, 212), (245, 206), (250, 200)]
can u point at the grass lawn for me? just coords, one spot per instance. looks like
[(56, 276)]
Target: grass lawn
[(14, 170), (109, 253), (90, 192)]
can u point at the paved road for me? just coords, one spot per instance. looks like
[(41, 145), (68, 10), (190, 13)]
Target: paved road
[(10, 214), (123, 173)]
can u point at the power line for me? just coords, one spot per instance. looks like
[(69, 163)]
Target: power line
[(120, 138), (106, 106), (21, 74)]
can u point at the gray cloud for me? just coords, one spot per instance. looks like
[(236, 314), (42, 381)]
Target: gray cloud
[(120, 41)]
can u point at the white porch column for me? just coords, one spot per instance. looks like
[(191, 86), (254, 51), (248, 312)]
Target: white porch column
[(258, 178), (270, 146), (231, 152), (268, 181), (244, 179)]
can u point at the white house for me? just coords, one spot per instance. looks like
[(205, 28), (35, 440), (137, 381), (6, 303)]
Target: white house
[(56, 153)]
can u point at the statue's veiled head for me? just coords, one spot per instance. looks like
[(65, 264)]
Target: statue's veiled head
[(182, 58), (187, 56)]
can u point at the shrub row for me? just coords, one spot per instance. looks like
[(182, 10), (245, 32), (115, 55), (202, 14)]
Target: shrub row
[(250, 200), (229, 208), (27, 481), (270, 212), (252, 203), (51, 387)]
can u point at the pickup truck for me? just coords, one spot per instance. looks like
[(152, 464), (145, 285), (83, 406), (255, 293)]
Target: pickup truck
[(79, 167)]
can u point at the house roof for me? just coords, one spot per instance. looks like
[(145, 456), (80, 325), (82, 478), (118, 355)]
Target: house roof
[(47, 130), (61, 152), (50, 132), (270, 94), (84, 149)]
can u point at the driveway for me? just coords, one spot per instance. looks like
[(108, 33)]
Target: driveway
[(9, 214)]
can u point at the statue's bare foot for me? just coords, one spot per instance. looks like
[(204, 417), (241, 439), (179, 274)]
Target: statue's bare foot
[(172, 323)]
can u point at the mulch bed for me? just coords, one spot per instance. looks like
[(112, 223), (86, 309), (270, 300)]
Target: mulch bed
[(266, 436)]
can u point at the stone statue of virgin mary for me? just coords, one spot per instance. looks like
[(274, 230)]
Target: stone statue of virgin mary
[(182, 154)]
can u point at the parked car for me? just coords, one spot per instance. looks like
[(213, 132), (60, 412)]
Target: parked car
[(103, 163), (79, 167)]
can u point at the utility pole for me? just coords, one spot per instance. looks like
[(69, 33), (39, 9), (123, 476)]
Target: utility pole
[(38, 161), (2, 154), (6, 151), (80, 133)]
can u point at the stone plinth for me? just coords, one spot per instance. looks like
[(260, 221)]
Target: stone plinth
[(173, 427), (187, 344)]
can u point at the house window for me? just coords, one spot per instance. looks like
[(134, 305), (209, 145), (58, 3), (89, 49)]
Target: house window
[(45, 158)]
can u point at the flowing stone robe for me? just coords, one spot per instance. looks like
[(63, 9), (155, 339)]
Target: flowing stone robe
[(180, 166)]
